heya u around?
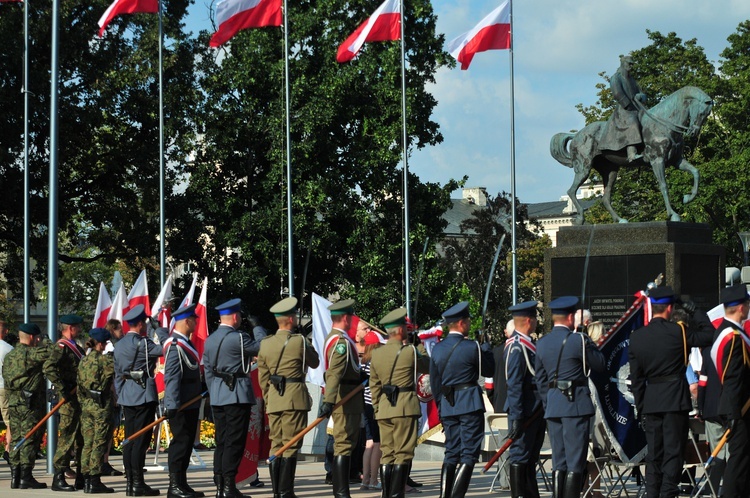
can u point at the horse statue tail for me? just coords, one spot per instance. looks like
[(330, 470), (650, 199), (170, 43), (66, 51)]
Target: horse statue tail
[(558, 147)]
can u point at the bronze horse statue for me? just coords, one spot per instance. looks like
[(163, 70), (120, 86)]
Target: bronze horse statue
[(663, 127)]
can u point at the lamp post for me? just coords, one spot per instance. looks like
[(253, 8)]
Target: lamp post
[(745, 239)]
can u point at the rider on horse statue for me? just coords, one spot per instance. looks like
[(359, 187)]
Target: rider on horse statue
[(624, 127)]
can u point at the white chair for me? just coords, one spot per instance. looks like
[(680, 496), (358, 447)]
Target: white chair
[(498, 424)]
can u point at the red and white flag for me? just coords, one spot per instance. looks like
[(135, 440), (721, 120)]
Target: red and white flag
[(164, 296), (383, 25), (119, 306), (201, 327), (188, 300), (492, 33), (126, 7), (139, 294), (103, 305), (233, 16)]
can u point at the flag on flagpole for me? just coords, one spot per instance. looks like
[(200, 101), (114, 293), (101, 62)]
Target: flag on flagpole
[(139, 294), (103, 306), (164, 296), (233, 16), (119, 305), (188, 300), (126, 7), (383, 25), (492, 33), (200, 334)]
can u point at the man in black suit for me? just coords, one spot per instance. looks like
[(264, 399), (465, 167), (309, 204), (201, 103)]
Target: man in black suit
[(658, 355)]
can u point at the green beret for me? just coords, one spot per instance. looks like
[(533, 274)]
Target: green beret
[(343, 307), (30, 328), (395, 317), (71, 319), (285, 307)]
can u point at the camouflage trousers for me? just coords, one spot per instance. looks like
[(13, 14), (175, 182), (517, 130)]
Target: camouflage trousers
[(68, 435), (96, 423), (22, 420)]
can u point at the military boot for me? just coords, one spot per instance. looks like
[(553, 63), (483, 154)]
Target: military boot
[(274, 469), (219, 481), (59, 483), (15, 477), (28, 481), (341, 465), (95, 485), (80, 479), (558, 484), (229, 489), (398, 480), (176, 490), (183, 482), (463, 478), (286, 474), (518, 480), (386, 471), (447, 477), (140, 488), (573, 485)]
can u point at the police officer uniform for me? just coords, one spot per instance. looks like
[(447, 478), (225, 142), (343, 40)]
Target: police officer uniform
[(227, 357), (731, 356), (61, 369), (136, 357), (182, 383), (342, 377), (563, 362), (658, 355), (523, 402), (393, 374), (455, 367), (95, 375), (24, 384), (283, 361)]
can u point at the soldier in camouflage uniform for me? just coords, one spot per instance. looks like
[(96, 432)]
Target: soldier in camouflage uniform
[(24, 385), (61, 368), (95, 374)]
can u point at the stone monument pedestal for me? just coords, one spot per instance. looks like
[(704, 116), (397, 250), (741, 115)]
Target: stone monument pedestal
[(625, 257)]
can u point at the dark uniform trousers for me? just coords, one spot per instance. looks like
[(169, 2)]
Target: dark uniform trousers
[(183, 425), (526, 448), (668, 458), (136, 418), (231, 423), (283, 427), (463, 437), (737, 472), (569, 438)]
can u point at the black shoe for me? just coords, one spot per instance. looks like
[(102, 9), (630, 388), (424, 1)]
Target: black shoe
[(15, 477), (414, 484), (230, 490), (140, 488), (176, 489), (95, 486), (329, 478), (183, 480), (257, 483), (108, 470), (60, 484), (28, 481)]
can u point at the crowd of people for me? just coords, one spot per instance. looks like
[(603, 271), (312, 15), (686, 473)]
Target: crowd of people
[(370, 395)]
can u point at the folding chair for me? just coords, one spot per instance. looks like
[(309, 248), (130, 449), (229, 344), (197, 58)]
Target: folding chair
[(498, 424), (545, 455), (614, 473), (696, 454), (599, 457)]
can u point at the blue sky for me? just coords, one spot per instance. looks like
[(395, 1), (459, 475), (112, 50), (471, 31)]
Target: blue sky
[(560, 47)]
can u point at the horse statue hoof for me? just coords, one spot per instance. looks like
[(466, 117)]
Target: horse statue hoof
[(675, 217), (622, 220), (687, 198)]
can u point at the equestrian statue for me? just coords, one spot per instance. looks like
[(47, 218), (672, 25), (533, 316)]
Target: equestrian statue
[(634, 135)]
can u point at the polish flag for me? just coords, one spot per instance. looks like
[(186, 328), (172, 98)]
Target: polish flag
[(119, 307), (139, 294), (201, 327), (492, 33), (164, 296), (103, 305), (188, 299), (383, 25), (126, 7), (233, 16)]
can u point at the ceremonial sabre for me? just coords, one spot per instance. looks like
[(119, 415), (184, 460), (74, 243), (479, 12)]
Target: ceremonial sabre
[(537, 413)]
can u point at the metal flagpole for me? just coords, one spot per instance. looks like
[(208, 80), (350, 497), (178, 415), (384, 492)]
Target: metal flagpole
[(513, 168), (26, 175), (162, 228), (289, 228), (53, 215), (407, 264)]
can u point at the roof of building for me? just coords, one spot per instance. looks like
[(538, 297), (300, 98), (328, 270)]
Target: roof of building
[(461, 210)]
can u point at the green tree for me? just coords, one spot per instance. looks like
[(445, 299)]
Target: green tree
[(346, 145), (108, 132)]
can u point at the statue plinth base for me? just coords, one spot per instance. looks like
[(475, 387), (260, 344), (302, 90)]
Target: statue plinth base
[(625, 257)]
